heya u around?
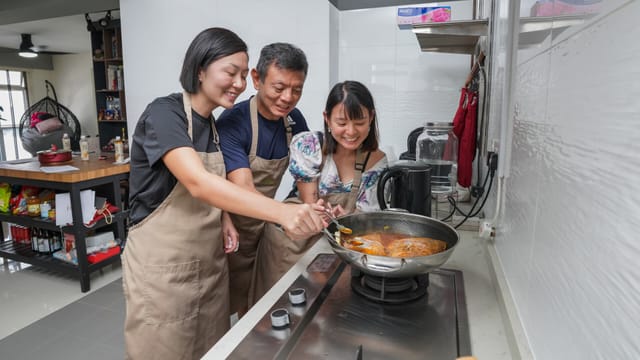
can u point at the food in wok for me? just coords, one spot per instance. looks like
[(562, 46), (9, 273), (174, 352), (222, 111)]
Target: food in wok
[(364, 245), (392, 244)]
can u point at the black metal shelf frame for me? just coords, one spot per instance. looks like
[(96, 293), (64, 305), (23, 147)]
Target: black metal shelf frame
[(51, 225), (23, 253)]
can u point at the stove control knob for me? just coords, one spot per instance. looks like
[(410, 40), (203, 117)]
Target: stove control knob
[(297, 296), (280, 319)]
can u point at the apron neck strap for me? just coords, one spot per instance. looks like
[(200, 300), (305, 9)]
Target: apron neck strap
[(361, 162), (287, 127), (186, 101)]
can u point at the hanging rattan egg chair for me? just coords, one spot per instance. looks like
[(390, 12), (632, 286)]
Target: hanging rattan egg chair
[(44, 123)]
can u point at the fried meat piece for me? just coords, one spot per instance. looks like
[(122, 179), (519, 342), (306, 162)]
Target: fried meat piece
[(367, 246), (415, 246)]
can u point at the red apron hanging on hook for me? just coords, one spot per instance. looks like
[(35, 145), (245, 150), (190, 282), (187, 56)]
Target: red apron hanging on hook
[(464, 127)]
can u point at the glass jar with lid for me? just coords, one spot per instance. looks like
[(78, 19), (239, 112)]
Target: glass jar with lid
[(438, 147)]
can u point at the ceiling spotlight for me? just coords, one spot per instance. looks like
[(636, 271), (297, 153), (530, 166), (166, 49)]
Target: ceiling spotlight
[(28, 54), (26, 46), (104, 22), (90, 26)]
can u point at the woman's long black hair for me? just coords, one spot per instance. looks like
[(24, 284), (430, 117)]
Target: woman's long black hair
[(354, 95)]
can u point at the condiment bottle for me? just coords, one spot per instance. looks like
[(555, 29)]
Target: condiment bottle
[(119, 147), (52, 214), (34, 239), (33, 206), (44, 210), (84, 148), (66, 142)]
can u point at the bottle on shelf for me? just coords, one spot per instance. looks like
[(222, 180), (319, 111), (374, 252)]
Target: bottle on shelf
[(66, 142), (45, 245), (119, 148), (44, 210), (33, 206), (34, 239), (84, 148)]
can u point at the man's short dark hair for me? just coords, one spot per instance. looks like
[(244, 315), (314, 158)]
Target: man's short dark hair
[(208, 46), (283, 56)]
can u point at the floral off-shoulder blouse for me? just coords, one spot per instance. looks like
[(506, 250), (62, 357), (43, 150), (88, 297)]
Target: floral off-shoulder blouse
[(305, 165)]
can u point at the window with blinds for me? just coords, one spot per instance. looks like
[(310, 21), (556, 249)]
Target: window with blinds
[(13, 103)]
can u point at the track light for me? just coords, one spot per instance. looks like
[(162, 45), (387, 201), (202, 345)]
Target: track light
[(90, 26), (104, 22)]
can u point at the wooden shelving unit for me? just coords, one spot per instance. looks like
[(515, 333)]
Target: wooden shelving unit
[(108, 75), (100, 175)]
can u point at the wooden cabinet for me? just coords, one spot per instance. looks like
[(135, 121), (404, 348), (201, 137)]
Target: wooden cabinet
[(108, 75), (100, 175)]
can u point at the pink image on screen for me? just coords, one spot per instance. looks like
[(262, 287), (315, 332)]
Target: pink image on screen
[(440, 15)]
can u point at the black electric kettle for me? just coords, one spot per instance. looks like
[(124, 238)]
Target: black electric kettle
[(410, 188)]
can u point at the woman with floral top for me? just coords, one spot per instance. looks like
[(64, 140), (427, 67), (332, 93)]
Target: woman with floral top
[(323, 171), (339, 170)]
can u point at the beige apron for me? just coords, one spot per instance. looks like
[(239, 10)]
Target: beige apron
[(277, 253), (175, 274), (267, 175)]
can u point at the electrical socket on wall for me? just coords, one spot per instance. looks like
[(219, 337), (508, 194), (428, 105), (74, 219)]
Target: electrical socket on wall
[(495, 146), (486, 230)]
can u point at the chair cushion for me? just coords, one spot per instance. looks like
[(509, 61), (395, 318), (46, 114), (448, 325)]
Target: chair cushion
[(49, 125)]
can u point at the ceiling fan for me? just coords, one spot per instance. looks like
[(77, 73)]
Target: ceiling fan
[(28, 50)]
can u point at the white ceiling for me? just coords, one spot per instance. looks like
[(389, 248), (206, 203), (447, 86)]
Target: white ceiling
[(64, 34), (54, 25)]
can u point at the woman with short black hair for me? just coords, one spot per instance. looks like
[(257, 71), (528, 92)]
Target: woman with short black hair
[(175, 274)]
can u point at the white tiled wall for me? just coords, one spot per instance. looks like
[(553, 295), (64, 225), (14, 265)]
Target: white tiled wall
[(568, 240), (154, 50), (409, 87)]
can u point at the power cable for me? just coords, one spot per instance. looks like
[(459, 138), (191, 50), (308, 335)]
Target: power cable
[(492, 163)]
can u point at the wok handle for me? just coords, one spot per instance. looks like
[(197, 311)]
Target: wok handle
[(398, 210), (379, 268)]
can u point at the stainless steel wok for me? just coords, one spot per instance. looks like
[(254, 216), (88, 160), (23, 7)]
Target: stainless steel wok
[(405, 223)]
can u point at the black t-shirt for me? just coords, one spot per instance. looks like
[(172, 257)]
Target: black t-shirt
[(234, 127), (162, 127)]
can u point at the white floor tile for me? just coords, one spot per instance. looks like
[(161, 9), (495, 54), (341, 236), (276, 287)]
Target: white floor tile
[(29, 293)]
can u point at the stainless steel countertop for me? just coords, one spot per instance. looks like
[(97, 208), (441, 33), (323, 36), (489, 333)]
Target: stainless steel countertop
[(488, 339)]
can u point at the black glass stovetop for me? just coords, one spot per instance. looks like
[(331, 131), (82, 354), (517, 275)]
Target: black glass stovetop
[(337, 322)]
